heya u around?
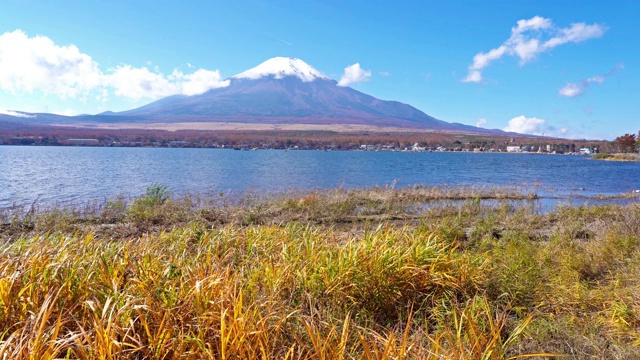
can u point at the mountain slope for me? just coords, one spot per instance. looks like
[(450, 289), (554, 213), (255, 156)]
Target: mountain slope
[(283, 90)]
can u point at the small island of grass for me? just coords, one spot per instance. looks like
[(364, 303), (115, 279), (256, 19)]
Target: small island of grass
[(618, 157)]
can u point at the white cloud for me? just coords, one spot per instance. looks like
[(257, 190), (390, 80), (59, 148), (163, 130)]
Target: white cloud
[(535, 23), (579, 88), (576, 33), (15, 113), (354, 74), (198, 82), (528, 39), (102, 96), (482, 60), (66, 112), (384, 73), (37, 64), (572, 89), (481, 122), (525, 125), (535, 126), (473, 76), (30, 64), (137, 83)]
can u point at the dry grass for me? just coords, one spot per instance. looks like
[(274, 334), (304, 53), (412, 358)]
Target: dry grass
[(618, 157), (263, 291), (158, 210), (314, 276)]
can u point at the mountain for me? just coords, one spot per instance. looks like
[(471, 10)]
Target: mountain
[(278, 91), (289, 91)]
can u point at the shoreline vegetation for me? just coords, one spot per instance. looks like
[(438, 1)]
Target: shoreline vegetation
[(376, 273), (409, 140), (618, 157)]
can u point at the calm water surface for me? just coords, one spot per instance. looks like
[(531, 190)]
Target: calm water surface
[(75, 175)]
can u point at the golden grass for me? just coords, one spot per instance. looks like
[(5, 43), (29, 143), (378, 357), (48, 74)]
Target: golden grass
[(270, 292), (618, 157), (475, 282)]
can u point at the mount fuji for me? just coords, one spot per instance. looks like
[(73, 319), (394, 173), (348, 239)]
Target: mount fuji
[(280, 91)]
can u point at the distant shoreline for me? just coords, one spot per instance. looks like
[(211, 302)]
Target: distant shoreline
[(223, 147)]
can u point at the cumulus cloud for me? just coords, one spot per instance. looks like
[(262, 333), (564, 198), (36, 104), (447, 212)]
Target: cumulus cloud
[(354, 74), (481, 122), (525, 125), (528, 39), (579, 88), (137, 83), (535, 126), (37, 64), (198, 82)]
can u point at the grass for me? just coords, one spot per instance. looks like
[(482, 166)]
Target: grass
[(158, 210), (333, 274), (617, 157)]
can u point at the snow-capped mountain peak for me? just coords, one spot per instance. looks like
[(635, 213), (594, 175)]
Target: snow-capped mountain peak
[(279, 67)]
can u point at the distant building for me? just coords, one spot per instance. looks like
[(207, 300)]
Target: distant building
[(177, 143), (83, 142), (417, 147), (513, 149), (18, 140)]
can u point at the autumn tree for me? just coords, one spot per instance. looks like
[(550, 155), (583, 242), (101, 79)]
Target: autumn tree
[(626, 142)]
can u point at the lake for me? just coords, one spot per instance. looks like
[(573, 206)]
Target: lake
[(70, 176)]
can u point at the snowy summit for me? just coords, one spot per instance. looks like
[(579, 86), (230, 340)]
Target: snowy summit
[(279, 67)]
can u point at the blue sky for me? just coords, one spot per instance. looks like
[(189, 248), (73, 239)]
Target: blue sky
[(563, 68)]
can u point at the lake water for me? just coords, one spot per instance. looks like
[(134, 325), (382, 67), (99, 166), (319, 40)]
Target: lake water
[(67, 176)]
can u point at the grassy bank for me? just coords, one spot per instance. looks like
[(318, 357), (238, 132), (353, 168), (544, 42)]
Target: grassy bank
[(617, 157), (380, 273)]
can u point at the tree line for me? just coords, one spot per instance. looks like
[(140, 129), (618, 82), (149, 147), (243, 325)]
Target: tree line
[(628, 142)]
